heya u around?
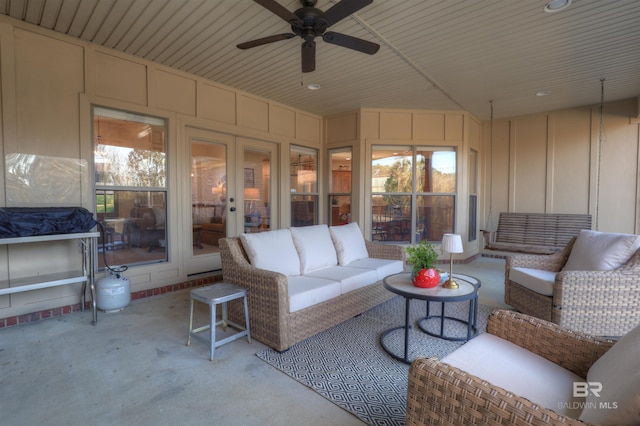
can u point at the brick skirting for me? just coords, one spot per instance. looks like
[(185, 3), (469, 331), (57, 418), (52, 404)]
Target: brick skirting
[(65, 310)]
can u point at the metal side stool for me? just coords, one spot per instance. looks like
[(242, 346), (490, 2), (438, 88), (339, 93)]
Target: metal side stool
[(214, 295)]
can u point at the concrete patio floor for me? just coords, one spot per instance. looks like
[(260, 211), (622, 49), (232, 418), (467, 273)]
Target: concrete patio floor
[(134, 368)]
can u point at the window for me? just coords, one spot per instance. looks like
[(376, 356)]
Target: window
[(304, 186), (413, 192), (130, 182), (340, 187), (473, 195)]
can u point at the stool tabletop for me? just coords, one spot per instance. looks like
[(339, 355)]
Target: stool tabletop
[(216, 293)]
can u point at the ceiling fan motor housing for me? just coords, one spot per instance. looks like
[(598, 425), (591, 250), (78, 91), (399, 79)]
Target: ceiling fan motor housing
[(312, 23)]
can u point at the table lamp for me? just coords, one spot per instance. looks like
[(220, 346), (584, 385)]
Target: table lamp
[(451, 243), (251, 195)]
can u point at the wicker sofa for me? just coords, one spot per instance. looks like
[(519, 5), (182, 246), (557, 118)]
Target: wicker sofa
[(524, 371), (592, 286), (341, 282)]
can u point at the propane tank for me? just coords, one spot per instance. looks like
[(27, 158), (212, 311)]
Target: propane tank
[(113, 292)]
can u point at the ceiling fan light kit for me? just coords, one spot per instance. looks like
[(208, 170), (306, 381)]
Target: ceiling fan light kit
[(308, 22)]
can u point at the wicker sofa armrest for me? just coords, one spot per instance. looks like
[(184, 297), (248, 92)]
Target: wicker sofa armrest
[(546, 262), (604, 303), (385, 251), (267, 293), (444, 395), (571, 350)]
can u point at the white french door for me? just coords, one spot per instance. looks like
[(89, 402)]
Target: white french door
[(256, 176), (206, 200), (229, 187)]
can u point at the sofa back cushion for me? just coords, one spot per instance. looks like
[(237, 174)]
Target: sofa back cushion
[(314, 246), (349, 243), (601, 251), (618, 371), (273, 251)]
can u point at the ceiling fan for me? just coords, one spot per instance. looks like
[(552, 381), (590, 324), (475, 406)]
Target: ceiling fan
[(308, 22)]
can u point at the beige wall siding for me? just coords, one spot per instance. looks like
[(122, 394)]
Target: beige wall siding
[(216, 103), (544, 162), (619, 174), (48, 77), (569, 141), (117, 78), (342, 128), (48, 82), (549, 163), (528, 178)]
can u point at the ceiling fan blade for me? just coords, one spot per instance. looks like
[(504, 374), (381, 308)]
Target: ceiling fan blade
[(308, 56), (343, 9), (354, 43), (279, 10), (265, 40)]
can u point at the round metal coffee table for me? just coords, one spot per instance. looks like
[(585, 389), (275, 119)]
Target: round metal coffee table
[(467, 291)]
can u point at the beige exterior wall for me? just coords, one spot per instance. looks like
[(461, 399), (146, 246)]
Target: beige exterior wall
[(554, 163), (544, 162), (48, 84)]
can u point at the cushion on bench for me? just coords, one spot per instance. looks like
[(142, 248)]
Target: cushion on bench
[(517, 370)]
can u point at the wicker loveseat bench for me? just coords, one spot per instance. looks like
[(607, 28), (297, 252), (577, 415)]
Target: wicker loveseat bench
[(303, 280), (539, 233), (527, 371)]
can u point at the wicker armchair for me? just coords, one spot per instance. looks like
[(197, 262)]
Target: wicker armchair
[(441, 394), (602, 303)]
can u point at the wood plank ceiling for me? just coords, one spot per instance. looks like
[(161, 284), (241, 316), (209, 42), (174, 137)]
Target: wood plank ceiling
[(435, 54)]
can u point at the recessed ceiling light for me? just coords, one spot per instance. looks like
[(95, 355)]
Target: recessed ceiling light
[(313, 86), (557, 5), (543, 93)]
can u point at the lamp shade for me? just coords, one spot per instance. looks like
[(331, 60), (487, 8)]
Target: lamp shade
[(251, 194), (452, 243)]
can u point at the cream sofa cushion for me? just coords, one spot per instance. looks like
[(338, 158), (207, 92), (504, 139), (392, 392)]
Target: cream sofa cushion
[(349, 278), (383, 267), (273, 251), (517, 370), (601, 251), (314, 247), (349, 243), (305, 291), (534, 279), (618, 371)]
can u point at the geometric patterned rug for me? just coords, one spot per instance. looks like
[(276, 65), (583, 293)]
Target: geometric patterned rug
[(347, 365)]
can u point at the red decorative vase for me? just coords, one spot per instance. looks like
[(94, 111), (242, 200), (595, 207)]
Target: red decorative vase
[(425, 278)]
